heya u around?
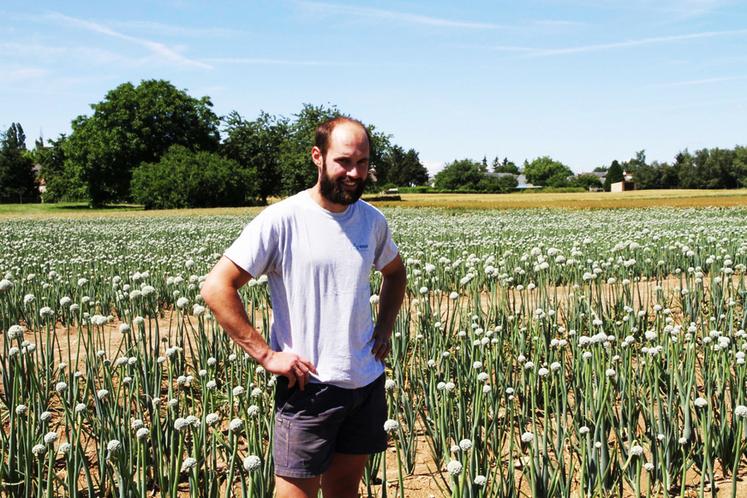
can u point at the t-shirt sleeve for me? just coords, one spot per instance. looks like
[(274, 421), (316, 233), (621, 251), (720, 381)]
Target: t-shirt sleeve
[(256, 249), (386, 249)]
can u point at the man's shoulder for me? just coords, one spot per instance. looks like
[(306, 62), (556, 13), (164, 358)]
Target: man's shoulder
[(282, 209), (371, 211)]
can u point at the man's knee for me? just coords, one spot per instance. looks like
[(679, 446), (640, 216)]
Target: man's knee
[(297, 487)]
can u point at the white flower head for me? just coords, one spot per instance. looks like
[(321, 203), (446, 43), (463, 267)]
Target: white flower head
[(391, 426), (236, 425), (454, 467), (465, 444), (252, 463), (38, 450), (188, 464), (636, 450)]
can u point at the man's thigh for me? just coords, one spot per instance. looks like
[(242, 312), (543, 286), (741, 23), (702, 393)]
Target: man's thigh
[(306, 429), (296, 487), (343, 477)]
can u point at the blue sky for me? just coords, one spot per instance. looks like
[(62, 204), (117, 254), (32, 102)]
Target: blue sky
[(584, 81)]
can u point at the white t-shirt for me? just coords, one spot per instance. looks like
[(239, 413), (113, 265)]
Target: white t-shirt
[(318, 264)]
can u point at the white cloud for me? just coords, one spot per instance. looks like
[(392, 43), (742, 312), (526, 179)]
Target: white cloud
[(260, 61), (597, 47), (703, 81), (172, 30), (161, 51), (21, 74), (372, 13)]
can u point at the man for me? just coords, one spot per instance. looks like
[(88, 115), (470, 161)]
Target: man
[(317, 249)]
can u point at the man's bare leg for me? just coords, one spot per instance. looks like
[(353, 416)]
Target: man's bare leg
[(343, 477), (296, 487)]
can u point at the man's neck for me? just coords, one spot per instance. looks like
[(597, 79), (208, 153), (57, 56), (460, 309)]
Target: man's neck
[(316, 195)]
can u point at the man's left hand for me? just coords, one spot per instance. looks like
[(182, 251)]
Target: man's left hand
[(382, 345)]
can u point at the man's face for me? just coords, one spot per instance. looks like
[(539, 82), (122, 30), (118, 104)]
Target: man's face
[(344, 169)]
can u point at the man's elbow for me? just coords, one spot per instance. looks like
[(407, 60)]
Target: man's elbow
[(208, 290)]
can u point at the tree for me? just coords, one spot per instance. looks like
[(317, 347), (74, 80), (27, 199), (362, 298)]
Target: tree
[(497, 183), (547, 172), (256, 145), (297, 169), (403, 168), (505, 167), (464, 174), (186, 179), (132, 125), (62, 183), (687, 173), (587, 181), (614, 175), (740, 165), (17, 178)]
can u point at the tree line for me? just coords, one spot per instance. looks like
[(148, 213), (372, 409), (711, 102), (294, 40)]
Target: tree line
[(158, 146), (714, 168)]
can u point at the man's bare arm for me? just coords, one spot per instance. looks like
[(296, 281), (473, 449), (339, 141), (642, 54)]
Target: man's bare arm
[(391, 294), (220, 292)]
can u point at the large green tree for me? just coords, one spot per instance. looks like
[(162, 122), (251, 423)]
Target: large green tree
[(17, 178), (297, 169), (740, 165), (256, 145), (462, 174), (403, 168), (547, 172), (132, 125), (505, 166), (186, 179), (614, 175), (62, 182)]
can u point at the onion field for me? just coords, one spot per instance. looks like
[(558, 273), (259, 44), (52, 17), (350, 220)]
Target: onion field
[(538, 353)]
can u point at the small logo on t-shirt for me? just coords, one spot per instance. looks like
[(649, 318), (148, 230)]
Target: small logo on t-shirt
[(361, 247)]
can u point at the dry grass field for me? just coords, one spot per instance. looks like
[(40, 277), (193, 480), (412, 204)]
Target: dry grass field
[(523, 200), (577, 200)]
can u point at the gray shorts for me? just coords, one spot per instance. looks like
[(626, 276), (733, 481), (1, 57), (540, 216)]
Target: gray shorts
[(313, 424)]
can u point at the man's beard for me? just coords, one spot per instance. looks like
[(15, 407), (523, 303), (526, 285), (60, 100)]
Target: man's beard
[(334, 190)]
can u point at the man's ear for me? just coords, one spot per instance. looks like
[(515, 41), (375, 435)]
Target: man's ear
[(316, 156)]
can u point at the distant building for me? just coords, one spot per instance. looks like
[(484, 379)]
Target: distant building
[(521, 180), (625, 185), (523, 184)]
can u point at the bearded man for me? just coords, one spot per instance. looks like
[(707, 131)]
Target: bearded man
[(317, 249)]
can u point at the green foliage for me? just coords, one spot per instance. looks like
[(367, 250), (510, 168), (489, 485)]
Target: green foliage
[(402, 168), (256, 145), (463, 174), (297, 170), (17, 178), (501, 184), (740, 165), (466, 175), (587, 181), (132, 125), (505, 167), (63, 183), (614, 175), (187, 179), (547, 172)]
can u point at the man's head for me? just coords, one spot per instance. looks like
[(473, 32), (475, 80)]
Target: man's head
[(341, 154)]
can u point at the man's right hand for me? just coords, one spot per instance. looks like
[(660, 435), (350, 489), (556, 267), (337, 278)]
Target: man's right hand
[(292, 366)]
